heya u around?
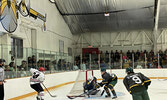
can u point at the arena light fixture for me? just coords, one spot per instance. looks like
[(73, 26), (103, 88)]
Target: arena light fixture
[(52, 1), (106, 14)]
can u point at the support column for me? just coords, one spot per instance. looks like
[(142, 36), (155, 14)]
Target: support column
[(90, 61), (81, 50), (156, 20)]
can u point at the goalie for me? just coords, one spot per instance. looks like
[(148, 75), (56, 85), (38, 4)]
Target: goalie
[(90, 86)]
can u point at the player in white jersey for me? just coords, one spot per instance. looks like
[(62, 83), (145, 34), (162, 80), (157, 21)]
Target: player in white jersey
[(37, 78)]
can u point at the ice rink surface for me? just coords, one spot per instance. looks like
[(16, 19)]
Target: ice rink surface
[(157, 91)]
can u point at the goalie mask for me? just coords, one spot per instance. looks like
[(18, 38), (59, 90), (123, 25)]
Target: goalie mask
[(90, 79)]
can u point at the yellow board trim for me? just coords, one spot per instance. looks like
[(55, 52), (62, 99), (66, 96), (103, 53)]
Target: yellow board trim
[(33, 93), (63, 84)]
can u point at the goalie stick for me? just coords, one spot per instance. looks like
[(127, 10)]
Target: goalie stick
[(73, 97), (83, 95), (102, 93), (48, 91)]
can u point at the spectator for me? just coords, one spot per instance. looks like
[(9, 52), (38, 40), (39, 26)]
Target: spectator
[(12, 66), (7, 68), (161, 53), (142, 55), (151, 54), (137, 55), (145, 52), (102, 64), (83, 66), (155, 62), (75, 67), (59, 64), (33, 59), (106, 57), (165, 51), (117, 56), (29, 60), (129, 55), (33, 65), (112, 55), (23, 66), (8, 73), (55, 64), (124, 57), (12, 58), (29, 63)]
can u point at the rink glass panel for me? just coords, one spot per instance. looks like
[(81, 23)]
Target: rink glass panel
[(20, 60)]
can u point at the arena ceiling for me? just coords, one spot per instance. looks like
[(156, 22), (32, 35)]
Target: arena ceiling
[(88, 15)]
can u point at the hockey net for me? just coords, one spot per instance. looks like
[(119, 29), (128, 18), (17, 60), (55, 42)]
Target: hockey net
[(82, 77)]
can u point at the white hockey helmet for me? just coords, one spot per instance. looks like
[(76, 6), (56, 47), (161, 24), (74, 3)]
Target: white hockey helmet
[(32, 70)]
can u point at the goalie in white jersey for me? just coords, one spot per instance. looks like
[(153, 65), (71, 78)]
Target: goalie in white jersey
[(37, 78)]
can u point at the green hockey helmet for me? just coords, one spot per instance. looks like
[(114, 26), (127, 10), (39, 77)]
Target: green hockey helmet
[(129, 70), (103, 69)]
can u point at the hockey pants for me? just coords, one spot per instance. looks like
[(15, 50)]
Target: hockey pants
[(111, 87), (38, 88), (142, 95)]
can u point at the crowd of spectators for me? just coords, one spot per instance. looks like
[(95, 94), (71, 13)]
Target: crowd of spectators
[(12, 70), (117, 59), (146, 59)]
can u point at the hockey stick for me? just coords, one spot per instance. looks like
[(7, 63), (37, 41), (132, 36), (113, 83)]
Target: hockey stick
[(102, 93), (48, 91), (73, 97), (82, 95)]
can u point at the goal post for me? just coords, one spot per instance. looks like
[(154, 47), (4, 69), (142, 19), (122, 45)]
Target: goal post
[(82, 77)]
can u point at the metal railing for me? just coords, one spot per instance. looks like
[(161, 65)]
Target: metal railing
[(122, 61), (18, 62)]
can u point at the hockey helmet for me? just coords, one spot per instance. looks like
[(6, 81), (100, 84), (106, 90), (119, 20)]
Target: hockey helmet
[(41, 69), (32, 70), (129, 70), (103, 69)]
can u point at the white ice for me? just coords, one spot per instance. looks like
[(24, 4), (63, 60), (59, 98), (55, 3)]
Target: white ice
[(157, 91)]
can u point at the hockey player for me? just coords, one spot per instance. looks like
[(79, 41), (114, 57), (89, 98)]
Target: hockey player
[(109, 81), (137, 84), (90, 86), (37, 78)]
